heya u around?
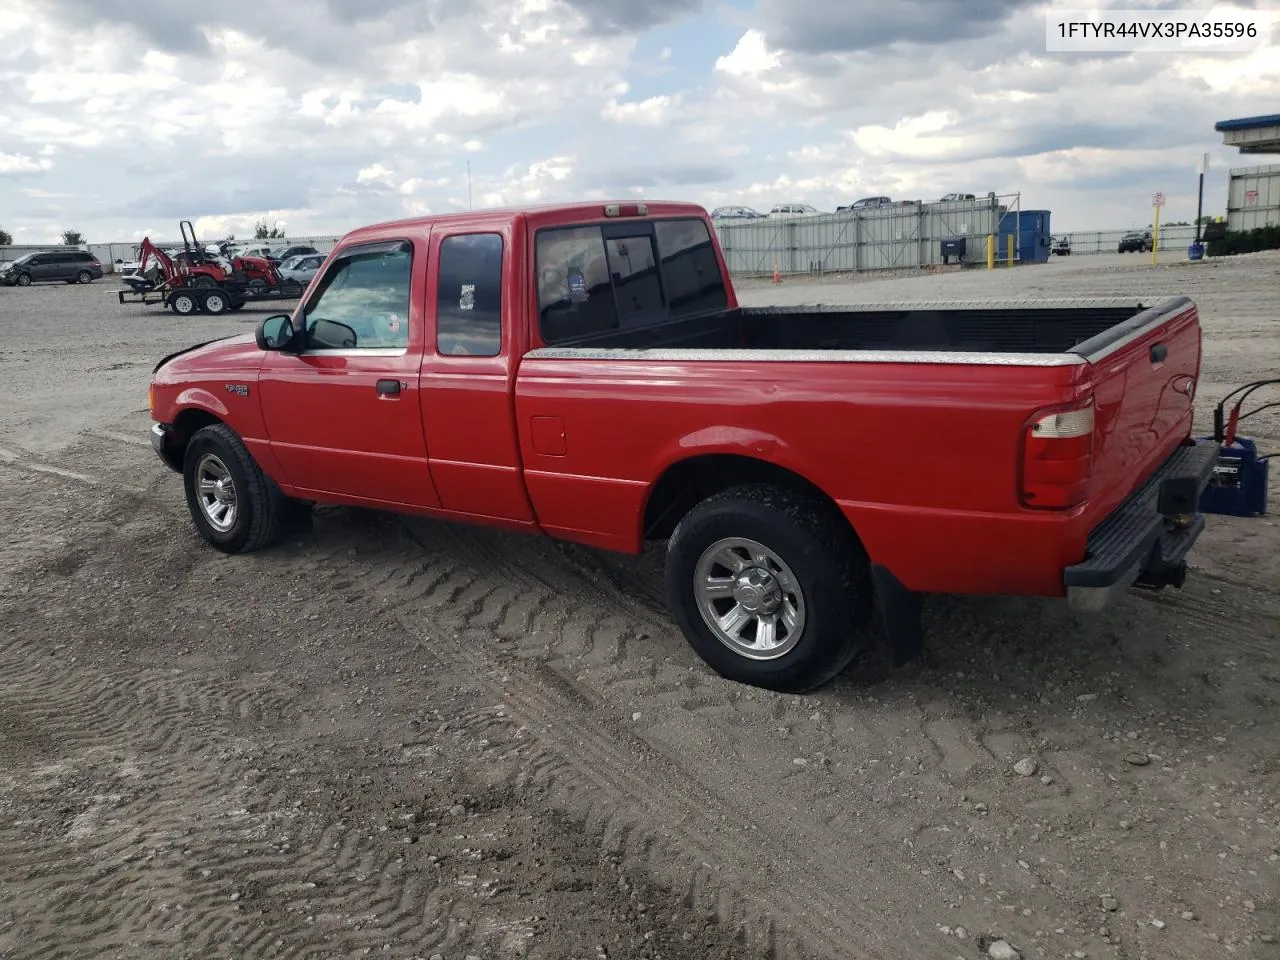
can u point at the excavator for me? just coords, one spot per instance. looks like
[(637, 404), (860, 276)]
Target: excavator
[(196, 279)]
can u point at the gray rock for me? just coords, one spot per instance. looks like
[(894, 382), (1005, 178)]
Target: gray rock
[(1026, 767), (1110, 904), (1138, 759), (1000, 950)]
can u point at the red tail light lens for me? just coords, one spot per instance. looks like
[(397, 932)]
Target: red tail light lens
[(1057, 457)]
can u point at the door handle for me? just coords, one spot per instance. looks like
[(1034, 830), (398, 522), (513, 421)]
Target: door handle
[(1159, 352), (388, 388)]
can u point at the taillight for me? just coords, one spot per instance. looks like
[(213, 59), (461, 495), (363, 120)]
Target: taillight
[(1057, 456)]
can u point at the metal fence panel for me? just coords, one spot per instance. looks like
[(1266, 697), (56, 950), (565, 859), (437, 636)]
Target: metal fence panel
[(1107, 241), (1253, 197), (878, 238)]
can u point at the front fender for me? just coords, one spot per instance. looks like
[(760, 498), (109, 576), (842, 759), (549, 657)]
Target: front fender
[(201, 398)]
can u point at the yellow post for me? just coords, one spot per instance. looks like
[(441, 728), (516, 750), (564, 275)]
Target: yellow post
[(1155, 234), (1010, 249), (991, 251)]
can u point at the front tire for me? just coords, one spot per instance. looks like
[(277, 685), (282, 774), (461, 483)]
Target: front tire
[(24, 280), (184, 304), (771, 588), (236, 507)]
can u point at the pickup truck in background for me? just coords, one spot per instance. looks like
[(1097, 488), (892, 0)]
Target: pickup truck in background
[(585, 372)]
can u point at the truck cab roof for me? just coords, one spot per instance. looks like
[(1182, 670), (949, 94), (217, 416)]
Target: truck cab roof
[(537, 215)]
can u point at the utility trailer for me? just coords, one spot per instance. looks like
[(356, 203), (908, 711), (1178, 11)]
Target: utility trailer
[(198, 281), (209, 296)]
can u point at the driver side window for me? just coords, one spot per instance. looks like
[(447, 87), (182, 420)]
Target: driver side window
[(362, 301)]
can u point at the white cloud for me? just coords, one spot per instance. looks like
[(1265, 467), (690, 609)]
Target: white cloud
[(120, 120), (20, 163), (749, 58)]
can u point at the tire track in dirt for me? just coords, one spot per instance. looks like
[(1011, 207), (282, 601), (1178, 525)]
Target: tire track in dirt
[(181, 718), (577, 630), (549, 702)]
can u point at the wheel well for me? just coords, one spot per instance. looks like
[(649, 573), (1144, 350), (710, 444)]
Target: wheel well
[(688, 482), (185, 424)]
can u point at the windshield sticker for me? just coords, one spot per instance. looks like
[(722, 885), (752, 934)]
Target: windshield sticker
[(468, 299), (577, 286), (393, 322)]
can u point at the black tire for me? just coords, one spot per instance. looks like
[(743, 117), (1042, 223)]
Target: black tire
[(214, 302), (184, 303), (260, 506), (825, 560), (203, 280), (24, 280), (84, 276)]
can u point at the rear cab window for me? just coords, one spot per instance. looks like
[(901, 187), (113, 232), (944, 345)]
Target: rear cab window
[(624, 274), (469, 295)]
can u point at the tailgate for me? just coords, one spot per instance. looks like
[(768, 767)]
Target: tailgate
[(1144, 374)]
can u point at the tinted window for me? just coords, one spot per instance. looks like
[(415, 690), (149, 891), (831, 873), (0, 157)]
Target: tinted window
[(368, 292), (575, 296), (634, 269), (469, 298), (689, 267)]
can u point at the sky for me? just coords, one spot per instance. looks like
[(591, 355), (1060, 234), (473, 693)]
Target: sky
[(118, 118)]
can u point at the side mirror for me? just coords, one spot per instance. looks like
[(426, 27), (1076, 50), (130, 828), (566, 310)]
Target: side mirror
[(275, 332)]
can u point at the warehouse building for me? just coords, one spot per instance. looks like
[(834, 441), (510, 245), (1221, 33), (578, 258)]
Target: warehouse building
[(1253, 193)]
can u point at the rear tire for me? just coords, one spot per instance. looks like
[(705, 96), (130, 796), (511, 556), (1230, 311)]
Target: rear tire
[(236, 507), (215, 302), (801, 605), (84, 276)]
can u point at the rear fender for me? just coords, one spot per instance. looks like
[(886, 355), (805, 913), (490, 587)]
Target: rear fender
[(723, 438)]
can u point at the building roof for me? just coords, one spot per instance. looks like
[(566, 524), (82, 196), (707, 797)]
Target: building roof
[(1248, 123)]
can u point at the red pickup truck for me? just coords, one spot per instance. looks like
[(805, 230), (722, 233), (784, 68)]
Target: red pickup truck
[(585, 372)]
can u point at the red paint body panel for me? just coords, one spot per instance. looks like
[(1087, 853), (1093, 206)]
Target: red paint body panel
[(924, 459), (466, 401)]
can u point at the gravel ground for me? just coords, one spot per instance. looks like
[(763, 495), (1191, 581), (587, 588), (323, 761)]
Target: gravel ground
[(399, 738)]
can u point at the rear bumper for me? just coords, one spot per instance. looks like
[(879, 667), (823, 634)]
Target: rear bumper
[(1145, 540)]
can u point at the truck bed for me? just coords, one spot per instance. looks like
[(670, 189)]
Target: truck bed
[(1037, 327)]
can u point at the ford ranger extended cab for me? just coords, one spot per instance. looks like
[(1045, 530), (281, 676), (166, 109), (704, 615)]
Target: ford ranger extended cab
[(585, 372)]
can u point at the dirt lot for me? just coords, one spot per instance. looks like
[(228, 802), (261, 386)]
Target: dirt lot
[(397, 738)]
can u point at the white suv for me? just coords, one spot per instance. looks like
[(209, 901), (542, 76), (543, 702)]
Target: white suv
[(794, 210)]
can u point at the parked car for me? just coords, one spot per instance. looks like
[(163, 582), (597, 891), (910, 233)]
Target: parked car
[(262, 250), (870, 203), (1062, 246), (1140, 242), (298, 251), (953, 197), (301, 269), (487, 358), (736, 213), (785, 210), (67, 266)]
